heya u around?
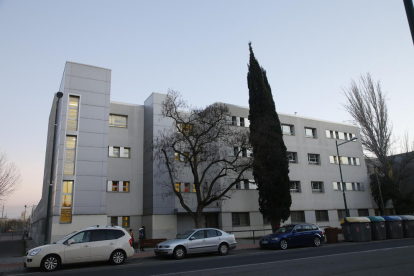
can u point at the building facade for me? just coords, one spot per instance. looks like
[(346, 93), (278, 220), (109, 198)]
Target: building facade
[(105, 176)]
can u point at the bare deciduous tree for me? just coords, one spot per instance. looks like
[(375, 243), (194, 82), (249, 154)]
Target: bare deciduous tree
[(198, 146), (366, 103), (10, 177)]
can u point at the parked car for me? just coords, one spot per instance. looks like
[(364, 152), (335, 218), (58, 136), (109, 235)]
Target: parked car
[(98, 243), (293, 235), (197, 241)]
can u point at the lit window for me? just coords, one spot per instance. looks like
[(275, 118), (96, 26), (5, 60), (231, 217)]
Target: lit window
[(176, 156), (310, 132), (115, 185), (125, 187), (186, 187), (178, 187), (194, 189), (73, 113), (117, 121), (185, 128), (317, 187), (125, 222), (66, 206), (69, 167)]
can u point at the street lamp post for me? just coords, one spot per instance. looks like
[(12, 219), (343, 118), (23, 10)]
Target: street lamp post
[(340, 171), (52, 169)]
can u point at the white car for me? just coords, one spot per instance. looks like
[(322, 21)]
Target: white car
[(105, 243)]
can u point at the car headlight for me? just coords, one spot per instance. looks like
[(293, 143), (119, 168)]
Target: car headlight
[(34, 252), (274, 239)]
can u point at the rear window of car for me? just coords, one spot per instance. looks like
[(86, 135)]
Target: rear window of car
[(314, 227), (211, 233), (118, 233), (99, 235), (219, 233)]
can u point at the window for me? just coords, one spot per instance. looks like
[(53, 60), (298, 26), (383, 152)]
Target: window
[(211, 233), (81, 237), (186, 187), (115, 152), (294, 186), (363, 213), (313, 159), (317, 187), (242, 122), (176, 156), (69, 167), (341, 214), (310, 132), (360, 187), (125, 222), (66, 207), (99, 235), (115, 186), (321, 215), (178, 187), (292, 157), (73, 113), (337, 186), (235, 151), (114, 221), (118, 152), (118, 121), (185, 128), (297, 216), (287, 129), (119, 186), (240, 219), (246, 184), (234, 120), (238, 185)]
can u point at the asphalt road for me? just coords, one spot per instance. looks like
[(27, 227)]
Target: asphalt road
[(389, 257)]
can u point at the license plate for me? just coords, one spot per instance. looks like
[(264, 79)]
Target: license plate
[(264, 242)]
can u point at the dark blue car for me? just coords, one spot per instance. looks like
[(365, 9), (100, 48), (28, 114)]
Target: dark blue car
[(293, 235)]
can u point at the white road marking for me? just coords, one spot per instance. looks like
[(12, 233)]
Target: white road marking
[(315, 257)]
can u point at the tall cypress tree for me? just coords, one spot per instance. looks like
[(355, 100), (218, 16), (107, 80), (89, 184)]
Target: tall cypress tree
[(270, 165)]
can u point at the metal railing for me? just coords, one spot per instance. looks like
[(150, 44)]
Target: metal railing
[(251, 231)]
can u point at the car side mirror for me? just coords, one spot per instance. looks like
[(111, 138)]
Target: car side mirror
[(192, 238), (71, 241)]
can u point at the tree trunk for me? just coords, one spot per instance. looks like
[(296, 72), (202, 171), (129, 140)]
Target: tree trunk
[(275, 225), (199, 218)]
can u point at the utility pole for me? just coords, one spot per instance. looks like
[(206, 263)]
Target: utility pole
[(59, 95), (409, 9)]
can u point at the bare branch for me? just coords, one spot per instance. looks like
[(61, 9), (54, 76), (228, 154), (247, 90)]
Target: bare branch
[(10, 177)]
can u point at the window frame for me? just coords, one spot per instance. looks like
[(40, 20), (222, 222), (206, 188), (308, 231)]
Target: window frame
[(237, 220), (320, 215), (291, 129), (315, 156), (112, 120), (314, 134), (319, 190), (294, 155), (297, 189)]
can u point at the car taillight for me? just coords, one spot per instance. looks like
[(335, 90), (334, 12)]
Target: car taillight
[(323, 233), (130, 242)]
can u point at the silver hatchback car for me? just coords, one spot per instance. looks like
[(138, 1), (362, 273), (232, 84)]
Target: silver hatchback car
[(197, 241)]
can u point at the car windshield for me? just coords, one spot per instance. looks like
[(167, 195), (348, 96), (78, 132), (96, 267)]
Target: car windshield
[(285, 229), (62, 240), (186, 234)]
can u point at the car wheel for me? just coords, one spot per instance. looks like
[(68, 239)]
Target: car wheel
[(118, 257), (283, 244), (179, 253), (50, 263), (316, 241), (223, 249)]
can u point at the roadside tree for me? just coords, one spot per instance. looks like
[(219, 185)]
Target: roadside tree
[(270, 164), (201, 145), (10, 177)]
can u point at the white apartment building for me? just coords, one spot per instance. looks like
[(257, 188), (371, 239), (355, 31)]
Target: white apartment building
[(104, 175)]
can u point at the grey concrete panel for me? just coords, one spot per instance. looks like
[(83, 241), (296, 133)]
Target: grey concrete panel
[(87, 199), (83, 84), (92, 112), (92, 125), (91, 139), (88, 168), (89, 72), (87, 183)]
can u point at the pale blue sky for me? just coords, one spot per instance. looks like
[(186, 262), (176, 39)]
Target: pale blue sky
[(310, 49)]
